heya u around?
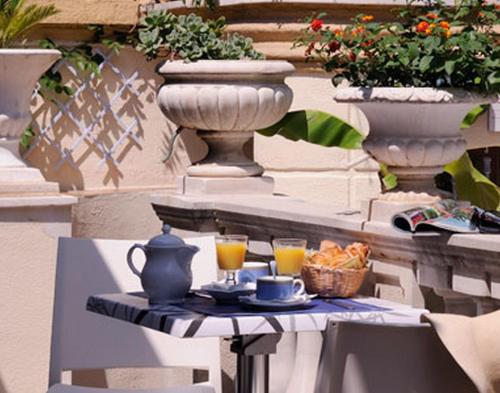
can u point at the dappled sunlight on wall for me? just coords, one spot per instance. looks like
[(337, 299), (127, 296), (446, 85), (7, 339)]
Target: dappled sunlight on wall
[(110, 134)]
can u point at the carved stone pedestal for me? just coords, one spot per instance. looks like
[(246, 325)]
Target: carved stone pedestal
[(415, 132), (226, 101), (20, 70), (189, 185)]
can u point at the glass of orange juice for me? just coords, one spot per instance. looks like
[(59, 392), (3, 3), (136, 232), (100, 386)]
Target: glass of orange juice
[(231, 250), (289, 255)]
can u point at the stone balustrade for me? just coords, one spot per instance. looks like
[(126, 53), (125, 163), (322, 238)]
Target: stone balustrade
[(444, 272)]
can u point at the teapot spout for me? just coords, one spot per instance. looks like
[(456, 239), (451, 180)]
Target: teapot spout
[(187, 252)]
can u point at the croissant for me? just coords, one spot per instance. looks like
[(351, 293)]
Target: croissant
[(359, 249), (327, 244), (354, 256)]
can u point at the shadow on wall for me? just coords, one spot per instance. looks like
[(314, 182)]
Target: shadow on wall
[(101, 134)]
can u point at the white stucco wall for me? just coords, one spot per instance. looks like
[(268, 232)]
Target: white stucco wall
[(28, 237)]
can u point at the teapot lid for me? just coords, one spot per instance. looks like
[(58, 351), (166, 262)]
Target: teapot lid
[(166, 239)]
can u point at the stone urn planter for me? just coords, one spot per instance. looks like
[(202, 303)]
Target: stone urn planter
[(20, 70), (225, 101), (414, 131)]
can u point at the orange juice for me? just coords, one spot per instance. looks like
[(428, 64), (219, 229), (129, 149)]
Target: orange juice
[(230, 256), (289, 259)]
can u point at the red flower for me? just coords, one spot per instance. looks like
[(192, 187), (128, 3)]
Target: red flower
[(316, 24), (422, 27), (432, 15), (367, 43), (334, 46), (352, 56)]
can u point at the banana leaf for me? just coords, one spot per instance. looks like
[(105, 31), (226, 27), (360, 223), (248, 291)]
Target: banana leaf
[(471, 185), (316, 127), (473, 115)]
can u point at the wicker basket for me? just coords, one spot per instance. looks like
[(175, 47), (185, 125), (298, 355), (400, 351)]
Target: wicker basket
[(330, 282)]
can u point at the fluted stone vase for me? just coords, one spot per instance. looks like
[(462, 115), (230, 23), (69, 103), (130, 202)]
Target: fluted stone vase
[(225, 101), (414, 131), (20, 70)]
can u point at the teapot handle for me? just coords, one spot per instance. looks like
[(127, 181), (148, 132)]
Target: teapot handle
[(129, 258)]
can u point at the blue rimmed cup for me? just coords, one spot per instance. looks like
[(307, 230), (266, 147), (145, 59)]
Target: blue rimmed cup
[(278, 288)]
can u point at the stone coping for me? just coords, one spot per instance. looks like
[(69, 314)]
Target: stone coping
[(273, 206), (225, 67), (36, 201), (222, 3), (408, 94), (302, 212)]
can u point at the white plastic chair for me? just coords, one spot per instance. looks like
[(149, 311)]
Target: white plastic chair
[(82, 340), (380, 358)]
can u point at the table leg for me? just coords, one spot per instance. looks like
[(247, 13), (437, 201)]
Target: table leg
[(253, 361)]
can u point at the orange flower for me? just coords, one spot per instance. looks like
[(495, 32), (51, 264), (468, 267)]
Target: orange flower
[(316, 24), (367, 18), (432, 15), (444, 25), (338, 32), (448, 33), (360, 30), (481, 14), (422, 27)]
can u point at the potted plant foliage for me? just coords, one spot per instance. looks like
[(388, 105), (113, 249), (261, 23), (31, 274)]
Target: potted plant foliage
[(20, 70), (217, 84), (415, 78)]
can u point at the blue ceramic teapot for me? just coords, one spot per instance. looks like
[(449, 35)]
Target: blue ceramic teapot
[(166, 276)]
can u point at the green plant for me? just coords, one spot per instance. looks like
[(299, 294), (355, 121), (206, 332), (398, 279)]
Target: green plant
[(323, 129), (316, 127), (431, 45), (16, 19), (471, 185), (190, 38)]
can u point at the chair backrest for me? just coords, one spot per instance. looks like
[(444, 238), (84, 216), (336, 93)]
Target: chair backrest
[(376, 358), (83, 340)]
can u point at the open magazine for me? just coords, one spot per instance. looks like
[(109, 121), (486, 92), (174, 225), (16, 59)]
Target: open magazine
[(443, 215)]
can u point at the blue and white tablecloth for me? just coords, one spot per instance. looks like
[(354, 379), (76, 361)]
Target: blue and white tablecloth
[(202, 318)]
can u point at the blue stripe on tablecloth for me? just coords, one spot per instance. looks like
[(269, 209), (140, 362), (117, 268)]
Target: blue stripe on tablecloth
[(317, 306)]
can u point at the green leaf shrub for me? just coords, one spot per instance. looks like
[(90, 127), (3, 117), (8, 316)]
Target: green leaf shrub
[(428, 45), (190, 38)]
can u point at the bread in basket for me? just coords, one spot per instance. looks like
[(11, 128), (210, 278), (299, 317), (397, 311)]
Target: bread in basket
[(334, 271)]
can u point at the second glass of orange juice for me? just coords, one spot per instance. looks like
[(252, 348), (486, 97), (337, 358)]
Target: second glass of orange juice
[(289, 255), (231, 251)]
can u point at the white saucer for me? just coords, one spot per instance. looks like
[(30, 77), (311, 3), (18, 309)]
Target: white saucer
[(227, 294), (296, 302)]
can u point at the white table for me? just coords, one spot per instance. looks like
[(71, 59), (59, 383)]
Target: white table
[(254, 336)]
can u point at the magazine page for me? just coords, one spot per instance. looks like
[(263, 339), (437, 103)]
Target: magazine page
[(408, 220), (457, 220)]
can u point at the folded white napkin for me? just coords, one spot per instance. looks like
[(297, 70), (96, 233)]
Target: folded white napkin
[(475, 345)]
